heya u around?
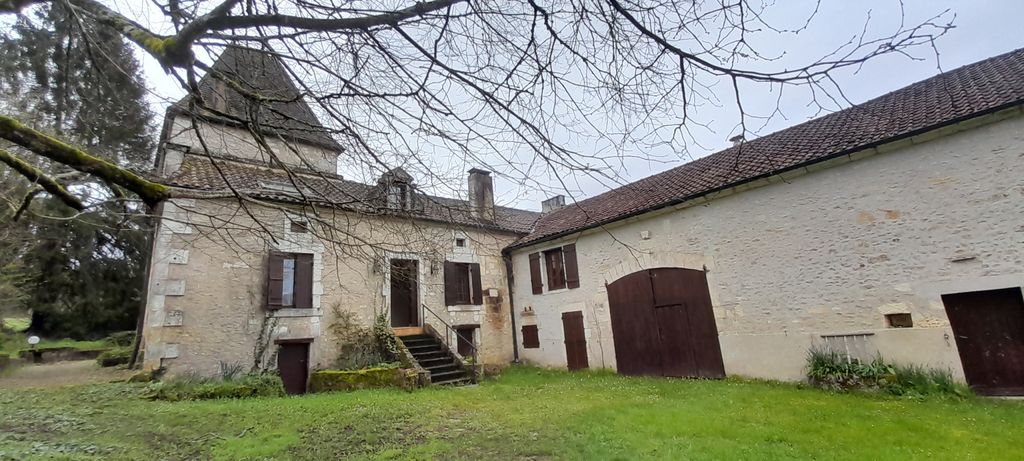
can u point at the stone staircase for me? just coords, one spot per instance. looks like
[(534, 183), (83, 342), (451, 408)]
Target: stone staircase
[(434, 356)]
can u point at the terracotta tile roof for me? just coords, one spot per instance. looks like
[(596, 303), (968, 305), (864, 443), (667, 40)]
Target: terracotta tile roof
[(264, 74), (206, 174), (953, 96)]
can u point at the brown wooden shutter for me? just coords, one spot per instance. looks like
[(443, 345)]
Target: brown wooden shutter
[(538, 286), (303, 281), (275, 280), (451, 283), (530, 337), (474, 278), (572, 272)]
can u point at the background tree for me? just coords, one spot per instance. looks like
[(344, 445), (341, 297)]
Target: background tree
[(78, 273)]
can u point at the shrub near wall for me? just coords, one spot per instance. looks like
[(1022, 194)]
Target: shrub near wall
[(370, 378), (834, 371)]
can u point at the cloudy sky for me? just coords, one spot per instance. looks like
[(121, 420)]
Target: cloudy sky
[(984, 28)]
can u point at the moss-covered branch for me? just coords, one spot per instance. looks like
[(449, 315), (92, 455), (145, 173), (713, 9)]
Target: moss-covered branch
[(36, 176), (74, 157)]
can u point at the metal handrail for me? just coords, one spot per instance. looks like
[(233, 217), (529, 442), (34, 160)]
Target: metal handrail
[(447, 341)]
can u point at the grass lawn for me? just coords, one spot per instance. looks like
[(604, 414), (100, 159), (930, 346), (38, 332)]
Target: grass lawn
[(525, 414)]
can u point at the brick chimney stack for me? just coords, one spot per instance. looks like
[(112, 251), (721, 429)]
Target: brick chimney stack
[(481, 194)]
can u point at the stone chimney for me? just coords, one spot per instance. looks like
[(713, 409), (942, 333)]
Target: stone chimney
[(552, 203), (481, 195)]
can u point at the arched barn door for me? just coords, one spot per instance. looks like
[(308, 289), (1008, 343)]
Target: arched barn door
[(663, 324)]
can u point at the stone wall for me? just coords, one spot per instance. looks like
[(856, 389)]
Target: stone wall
[(206, 292), (830, 250), (225, 141)]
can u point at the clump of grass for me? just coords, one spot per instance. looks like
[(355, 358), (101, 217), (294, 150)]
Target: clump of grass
[(231, 383), (832, 370), (914, 380), (829, 369)]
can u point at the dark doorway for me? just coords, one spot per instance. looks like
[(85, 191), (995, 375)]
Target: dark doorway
[(293, 365), (664, 325), (465, 340), (404, 293), (575, 341), (989, 331)]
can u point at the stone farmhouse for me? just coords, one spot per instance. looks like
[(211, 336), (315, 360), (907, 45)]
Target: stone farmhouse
[(893, 228)]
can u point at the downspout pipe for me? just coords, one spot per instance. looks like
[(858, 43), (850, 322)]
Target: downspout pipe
[(507, 257)]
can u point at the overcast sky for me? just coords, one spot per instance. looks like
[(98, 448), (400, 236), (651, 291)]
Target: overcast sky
[(984, 28)]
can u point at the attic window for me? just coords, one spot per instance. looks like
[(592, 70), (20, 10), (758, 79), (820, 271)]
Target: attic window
[(298, 227), (460, 242)]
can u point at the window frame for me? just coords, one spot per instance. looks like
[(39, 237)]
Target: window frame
[(466, 278), (291, 274), (542, 269), (554, 257)]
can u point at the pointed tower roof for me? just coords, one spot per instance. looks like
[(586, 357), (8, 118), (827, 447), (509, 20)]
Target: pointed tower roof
[(262, 73)]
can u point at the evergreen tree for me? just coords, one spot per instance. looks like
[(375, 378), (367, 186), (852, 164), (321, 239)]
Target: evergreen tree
[(79, 274)]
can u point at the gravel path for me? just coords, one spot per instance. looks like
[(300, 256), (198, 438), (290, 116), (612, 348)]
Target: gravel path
[(60, 374)]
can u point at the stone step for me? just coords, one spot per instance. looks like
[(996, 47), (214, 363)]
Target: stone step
[(447, 375), (445, 358), (442, 368), (416, 337), (453, 382)]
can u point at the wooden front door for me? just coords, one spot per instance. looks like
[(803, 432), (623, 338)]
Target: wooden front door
[(575, 341), (663, 324), (404, 293), (989, 331), (293, 365)]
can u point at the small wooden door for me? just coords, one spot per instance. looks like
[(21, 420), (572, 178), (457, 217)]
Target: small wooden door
[(293, 365), (989, 331), (575, 341), (465, 341), (404, 293)]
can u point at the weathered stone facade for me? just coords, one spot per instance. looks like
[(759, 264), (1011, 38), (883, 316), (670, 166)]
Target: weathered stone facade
[(828, 249), (206, 302), (207, 284)]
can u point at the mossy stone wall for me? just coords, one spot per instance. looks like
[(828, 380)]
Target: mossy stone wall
[(370, 378)]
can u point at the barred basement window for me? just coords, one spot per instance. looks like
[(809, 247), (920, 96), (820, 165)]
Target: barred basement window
[(899, 320)]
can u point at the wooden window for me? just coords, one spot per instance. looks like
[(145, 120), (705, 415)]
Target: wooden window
[(298, 227), (899, 320), (465, 340), (290, 280), (560, 269), (538, 285), (462, 284), (554, 266), (530, 337)]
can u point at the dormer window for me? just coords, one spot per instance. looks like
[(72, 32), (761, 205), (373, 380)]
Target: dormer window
[(396, 189), (399, 196)]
